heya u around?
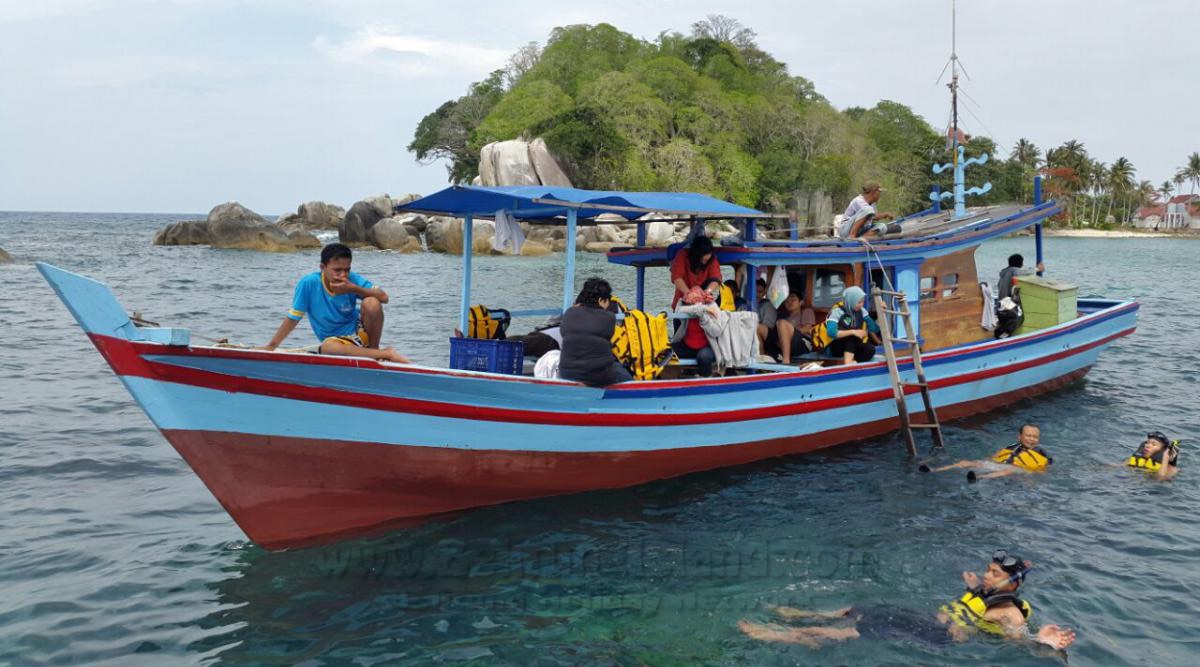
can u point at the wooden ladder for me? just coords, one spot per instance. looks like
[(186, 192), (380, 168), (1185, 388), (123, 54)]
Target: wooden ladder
[(898, 383)]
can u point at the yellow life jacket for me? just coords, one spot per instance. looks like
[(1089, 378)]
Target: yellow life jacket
[(482, 324), (641, 343), (820, 332), (969, 609), (1030, 459), (727, 301), (1153, 463)]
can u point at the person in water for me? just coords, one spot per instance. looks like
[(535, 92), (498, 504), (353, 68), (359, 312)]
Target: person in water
[(850, 332), (1158, 454), (1025, 455), (990, 605), (587, 331), (344, 309)]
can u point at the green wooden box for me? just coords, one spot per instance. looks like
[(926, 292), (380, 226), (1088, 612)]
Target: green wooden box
[(1046, 302)]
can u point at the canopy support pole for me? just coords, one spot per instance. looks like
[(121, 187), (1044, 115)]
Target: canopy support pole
[(1037, 229), (641, 270), (468, 237), (569, 272)]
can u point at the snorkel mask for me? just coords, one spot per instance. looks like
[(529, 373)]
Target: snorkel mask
[(1014, 566)]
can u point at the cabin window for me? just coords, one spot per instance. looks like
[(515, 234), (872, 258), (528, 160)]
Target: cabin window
[(949, 285), (796, 282), (828, 286), (927, 291)]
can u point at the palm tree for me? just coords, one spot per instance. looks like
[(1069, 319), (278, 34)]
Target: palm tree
[(1096, 179), (1120, 182), (1165, 190), (1026, 153), (1190, 171), (1141, 195), (1072, 155), (1029, 157)]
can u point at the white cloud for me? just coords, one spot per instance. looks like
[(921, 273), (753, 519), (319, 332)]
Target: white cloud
[(410, 55)]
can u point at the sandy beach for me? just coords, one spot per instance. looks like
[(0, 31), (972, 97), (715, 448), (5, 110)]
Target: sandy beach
[(1112, 234)]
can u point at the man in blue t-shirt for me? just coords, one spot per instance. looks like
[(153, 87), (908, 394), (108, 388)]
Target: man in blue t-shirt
[(330, 298)]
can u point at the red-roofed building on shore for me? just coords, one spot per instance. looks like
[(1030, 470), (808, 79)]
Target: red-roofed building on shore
[(1180, 212)]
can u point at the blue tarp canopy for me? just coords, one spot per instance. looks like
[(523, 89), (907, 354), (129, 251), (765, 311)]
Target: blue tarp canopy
[(547, 203)]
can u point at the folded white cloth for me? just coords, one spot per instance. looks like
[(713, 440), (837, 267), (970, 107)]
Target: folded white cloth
[(547, 366)]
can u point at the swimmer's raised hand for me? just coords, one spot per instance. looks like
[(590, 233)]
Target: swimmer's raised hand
[(1056, 636)]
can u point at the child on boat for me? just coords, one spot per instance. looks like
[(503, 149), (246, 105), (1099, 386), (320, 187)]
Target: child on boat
[(1025, 455), (331, 299), (990, 605)]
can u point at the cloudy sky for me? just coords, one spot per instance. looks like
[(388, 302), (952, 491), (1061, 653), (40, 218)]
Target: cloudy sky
[(177, 105)]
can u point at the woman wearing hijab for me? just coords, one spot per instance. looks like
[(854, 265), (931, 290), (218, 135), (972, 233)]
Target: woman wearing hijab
[(694, 266), (852, 332)]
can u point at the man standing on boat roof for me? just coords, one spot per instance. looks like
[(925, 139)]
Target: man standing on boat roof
[(330, 298), (860, 218)]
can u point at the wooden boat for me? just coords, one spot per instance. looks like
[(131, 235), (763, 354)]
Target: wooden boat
[(302, 449)]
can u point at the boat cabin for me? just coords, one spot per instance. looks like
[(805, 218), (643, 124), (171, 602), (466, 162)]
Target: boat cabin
[(932, 260)]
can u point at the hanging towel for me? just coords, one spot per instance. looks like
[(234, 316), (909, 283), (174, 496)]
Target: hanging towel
[(732, 335), (988, 320), (508, 232)]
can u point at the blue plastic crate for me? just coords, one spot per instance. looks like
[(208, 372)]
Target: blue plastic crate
[(489, 356)]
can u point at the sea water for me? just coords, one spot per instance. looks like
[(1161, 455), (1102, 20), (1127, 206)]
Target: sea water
[(113, 552)]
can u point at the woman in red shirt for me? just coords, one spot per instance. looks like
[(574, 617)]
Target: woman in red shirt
[(693, 267)]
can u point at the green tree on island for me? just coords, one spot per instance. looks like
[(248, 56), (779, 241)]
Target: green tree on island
[(709, 112), (1190, 172)]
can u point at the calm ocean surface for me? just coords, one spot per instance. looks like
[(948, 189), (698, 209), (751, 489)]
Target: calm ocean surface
[(113, 552)]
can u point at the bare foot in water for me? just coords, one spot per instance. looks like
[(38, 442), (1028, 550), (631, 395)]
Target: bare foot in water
[(774, 633)]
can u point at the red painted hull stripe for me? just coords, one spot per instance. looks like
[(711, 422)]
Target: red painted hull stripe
[(125, 361), (289, 492)]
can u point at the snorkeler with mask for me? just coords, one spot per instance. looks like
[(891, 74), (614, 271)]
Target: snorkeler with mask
[(990, 605), (1157, 454)]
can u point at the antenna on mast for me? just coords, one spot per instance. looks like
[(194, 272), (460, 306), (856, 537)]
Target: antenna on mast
[(958, 160)]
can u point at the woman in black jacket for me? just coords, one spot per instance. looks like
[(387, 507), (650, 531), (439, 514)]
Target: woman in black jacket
[(587, 330)]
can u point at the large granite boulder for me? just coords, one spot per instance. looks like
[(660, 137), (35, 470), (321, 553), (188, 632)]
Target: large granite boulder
[(382, 204), (5, 258), (609, 233), (534, 249), (507, 163), (394, 234), (601, 246), (445, 235), (658, 234), (359, 220), (548, 170), (313, 216), (185, 232), (233, 226)]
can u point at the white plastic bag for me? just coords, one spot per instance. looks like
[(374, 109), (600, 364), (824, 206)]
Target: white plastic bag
[(777, 291)]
